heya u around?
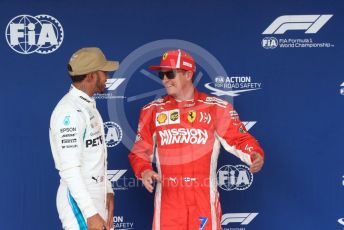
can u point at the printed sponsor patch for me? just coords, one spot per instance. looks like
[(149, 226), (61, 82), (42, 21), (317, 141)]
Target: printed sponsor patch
[(168, 117), (161, 119), (183, 135)]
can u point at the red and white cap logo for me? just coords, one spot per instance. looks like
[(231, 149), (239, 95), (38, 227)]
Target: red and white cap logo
[(176, 59)]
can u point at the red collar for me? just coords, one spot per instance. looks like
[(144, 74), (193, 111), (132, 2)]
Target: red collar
[(187, 103)]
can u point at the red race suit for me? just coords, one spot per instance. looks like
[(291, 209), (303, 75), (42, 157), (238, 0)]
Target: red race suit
[(186, 138)]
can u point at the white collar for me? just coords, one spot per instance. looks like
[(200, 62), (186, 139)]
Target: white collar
[(82, 96)]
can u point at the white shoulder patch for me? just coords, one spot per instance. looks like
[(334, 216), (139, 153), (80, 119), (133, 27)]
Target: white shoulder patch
[(159, 100), (156, 102), (216, 100)]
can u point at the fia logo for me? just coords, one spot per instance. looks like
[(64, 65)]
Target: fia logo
[(234, 177), (269, 43), (113, 134), (28, 34)]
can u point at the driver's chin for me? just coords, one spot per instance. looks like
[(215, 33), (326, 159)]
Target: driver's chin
[(100, 89), (171, 93)]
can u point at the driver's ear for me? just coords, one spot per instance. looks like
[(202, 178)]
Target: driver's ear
[(189, 75), (90, 76)]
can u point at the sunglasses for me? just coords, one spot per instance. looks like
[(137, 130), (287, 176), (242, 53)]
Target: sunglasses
[(169, 74)]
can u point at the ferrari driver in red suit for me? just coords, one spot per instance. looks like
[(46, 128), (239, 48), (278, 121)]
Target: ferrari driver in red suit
[(185, 130)]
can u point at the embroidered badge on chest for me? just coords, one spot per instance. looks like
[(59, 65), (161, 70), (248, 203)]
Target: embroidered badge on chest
[(191, 116)]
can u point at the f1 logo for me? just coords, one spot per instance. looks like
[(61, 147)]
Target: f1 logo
[(114, 175), (242, 218), (248, 124), (311, 23), (113, 83)]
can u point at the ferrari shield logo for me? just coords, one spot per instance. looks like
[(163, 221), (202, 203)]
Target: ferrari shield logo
[(191, 116), (164, 56)]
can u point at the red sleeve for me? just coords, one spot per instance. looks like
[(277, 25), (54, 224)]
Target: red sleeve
[(141, 154), (233, 134)]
